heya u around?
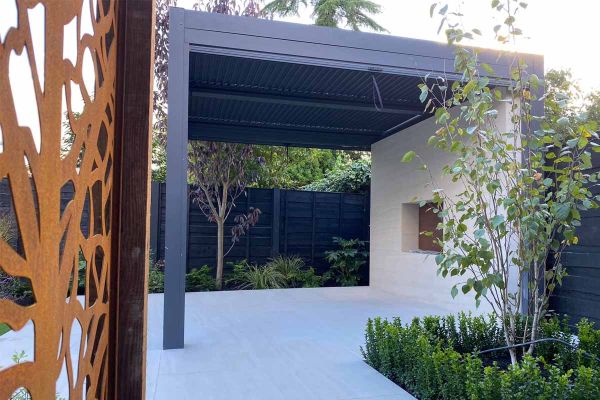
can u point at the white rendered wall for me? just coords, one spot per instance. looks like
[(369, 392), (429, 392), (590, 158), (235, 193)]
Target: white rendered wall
[(394, 265)]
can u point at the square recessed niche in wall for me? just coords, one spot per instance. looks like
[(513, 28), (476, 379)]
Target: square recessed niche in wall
[(416, 220)]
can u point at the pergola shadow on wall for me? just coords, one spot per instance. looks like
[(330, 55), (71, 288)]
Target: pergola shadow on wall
[(239, 79)]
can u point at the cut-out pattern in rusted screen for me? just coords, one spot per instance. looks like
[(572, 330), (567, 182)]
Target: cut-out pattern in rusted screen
[(61, 138)]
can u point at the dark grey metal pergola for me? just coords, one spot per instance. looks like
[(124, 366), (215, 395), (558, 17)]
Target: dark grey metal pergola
[(247, 80)]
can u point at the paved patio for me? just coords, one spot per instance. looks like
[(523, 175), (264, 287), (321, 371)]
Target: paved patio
[(290, 344), (274, 344)]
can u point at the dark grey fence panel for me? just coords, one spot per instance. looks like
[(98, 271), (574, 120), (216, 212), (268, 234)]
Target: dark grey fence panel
[(7, 209), (579, 295), (291, 222)]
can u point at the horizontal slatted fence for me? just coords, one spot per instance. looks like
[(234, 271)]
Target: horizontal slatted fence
[(292, 222), (579, 295)]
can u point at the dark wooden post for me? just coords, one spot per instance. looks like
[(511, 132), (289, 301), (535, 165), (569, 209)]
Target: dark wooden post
[(131, 197)]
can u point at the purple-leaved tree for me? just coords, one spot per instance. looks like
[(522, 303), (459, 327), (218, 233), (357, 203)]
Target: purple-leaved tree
[(220, 174)]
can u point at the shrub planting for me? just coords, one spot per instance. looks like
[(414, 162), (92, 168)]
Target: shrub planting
[(200, 280), (438, 358), (346, 261)]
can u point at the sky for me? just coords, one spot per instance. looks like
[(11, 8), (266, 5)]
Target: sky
[(565, 32)]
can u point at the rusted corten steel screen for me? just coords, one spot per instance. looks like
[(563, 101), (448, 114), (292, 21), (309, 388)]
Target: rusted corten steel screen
[(68, 142)]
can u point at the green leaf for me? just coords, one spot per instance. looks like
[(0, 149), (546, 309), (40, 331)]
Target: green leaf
[(562, 211), (534, 81), (424, 92), (572, 142), (563, 121), (454, 291), (547, 182), (408, 156), (497, 220), (487, 68), (439, 259), (469, 87)]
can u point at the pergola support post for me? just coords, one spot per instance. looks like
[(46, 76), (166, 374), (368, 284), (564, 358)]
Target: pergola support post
[(177, 189)]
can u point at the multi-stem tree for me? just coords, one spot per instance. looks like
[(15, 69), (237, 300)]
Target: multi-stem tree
[(220, 173), (522, 186)]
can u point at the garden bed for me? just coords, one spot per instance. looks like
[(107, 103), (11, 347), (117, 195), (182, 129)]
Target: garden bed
[(438, 358)]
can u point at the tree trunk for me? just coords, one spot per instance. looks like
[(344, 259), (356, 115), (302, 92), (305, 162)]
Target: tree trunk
[(220, 239)]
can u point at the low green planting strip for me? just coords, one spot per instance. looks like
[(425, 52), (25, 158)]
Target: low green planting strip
[(436, 358)]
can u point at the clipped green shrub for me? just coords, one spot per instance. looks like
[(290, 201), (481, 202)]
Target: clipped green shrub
[(437, 358)]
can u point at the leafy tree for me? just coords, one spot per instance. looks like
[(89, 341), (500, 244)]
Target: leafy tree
[(354, 177), (593, 106), (352, 13), (161, 72), (293, 167), (563, 98), (248, 8), (522, 187), (562, 93), (220, 174)]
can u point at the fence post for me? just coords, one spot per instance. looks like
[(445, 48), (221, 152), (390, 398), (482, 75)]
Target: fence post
[(312, 235), (249, 228), (275, 223)]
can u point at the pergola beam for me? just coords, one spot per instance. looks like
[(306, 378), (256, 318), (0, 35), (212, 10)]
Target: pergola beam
[(279, 136), (224, 94)]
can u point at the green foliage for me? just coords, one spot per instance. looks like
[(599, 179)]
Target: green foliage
[(434, 358), (200, 280), (280, 272), (156, 277), (159, 159), (352, 178), (353, 13), (293, 167), (522, 186), (346, 261), (294, 272), (197, 280), (4, 328), (254, 277), (588, 337), (593, 106), (310, 279)]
